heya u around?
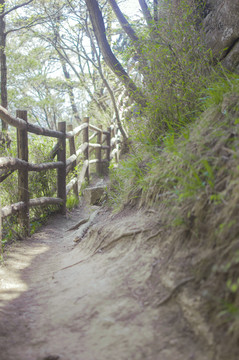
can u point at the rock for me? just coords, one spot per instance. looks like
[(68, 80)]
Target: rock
[(94, 195), (221, 26), (231, 61)]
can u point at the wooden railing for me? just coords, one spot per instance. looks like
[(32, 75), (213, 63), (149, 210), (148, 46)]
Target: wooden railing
[(107, 141)]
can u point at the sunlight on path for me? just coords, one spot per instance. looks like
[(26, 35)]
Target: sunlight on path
[(11, 283)]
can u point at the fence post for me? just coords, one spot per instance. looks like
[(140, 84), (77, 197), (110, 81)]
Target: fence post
[(1, 250), (108, 140), (61, 173), (86, 151), (22, 148), (73, 151), (116, 145), (98, 152)]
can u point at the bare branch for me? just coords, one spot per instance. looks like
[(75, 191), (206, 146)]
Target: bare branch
[(15, 8)]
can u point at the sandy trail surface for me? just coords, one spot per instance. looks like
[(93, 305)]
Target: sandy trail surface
[(97, 299)]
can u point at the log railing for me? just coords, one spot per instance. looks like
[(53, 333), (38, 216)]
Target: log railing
[(107, 142)]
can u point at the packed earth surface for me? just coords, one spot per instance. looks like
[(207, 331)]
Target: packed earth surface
[(95, 285)]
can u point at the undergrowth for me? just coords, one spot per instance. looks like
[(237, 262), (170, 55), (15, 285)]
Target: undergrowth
[(193, 175), (40, 184)]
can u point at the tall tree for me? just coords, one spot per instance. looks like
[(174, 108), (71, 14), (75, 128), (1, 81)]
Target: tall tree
[(110, 59), (3, 60)]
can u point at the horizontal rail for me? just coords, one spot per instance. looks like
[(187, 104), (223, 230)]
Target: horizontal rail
[(83, 172), (93, 127), (16, 164), (76, 131), (11, 209), (78, 179), (18, 123), (45, 201), (93, 136), (35, 129), (74, 157), (70, 185), (23, 125), (95, 145), (104, 141), (94, 161)]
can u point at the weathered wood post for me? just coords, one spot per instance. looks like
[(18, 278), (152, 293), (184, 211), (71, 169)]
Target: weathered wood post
[(98, 152), (86, 151), (116, 145), (73, 151), (113, 132), (1, 249), (22, 148), (108, 140), (61, 172)]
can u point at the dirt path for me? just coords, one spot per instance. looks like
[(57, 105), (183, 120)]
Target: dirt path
[(98, 299)]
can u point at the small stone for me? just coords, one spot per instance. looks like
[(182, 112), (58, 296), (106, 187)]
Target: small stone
[(94, 195)]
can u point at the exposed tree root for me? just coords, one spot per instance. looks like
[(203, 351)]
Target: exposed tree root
[(76, 226), (130, 233), (99, 248), (154, 235), (168, 297)]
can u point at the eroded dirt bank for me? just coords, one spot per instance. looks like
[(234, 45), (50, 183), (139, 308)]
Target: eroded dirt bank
[(113, 295)]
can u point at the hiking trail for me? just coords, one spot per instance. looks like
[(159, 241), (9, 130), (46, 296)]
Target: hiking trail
[(93, 286)]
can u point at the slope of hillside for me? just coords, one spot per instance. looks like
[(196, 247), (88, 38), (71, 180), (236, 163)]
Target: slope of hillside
[(192, 185)]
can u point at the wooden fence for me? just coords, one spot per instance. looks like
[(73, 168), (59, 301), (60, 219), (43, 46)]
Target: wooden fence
[(107, 141)]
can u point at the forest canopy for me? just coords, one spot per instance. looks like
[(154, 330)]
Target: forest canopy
[(62, 60)]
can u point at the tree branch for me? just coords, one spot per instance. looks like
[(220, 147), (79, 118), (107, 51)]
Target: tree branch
[(110, 59), (123, 21), (146, 12), (15, 8)]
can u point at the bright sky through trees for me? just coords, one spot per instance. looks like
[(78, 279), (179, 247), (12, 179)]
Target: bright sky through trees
[(129, 7)]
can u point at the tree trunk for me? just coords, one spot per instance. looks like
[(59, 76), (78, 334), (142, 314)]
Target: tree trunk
[(3, 61), (110, 59), (156, 15), (123, 21), (146, 12), (107, 85), (70, 92)]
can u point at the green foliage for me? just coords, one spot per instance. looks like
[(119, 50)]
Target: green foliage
[(72, 201), (225, 83), (191, 175), (127, 181), (8, 187), (40, 184), (181, 163), (176, 70)]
